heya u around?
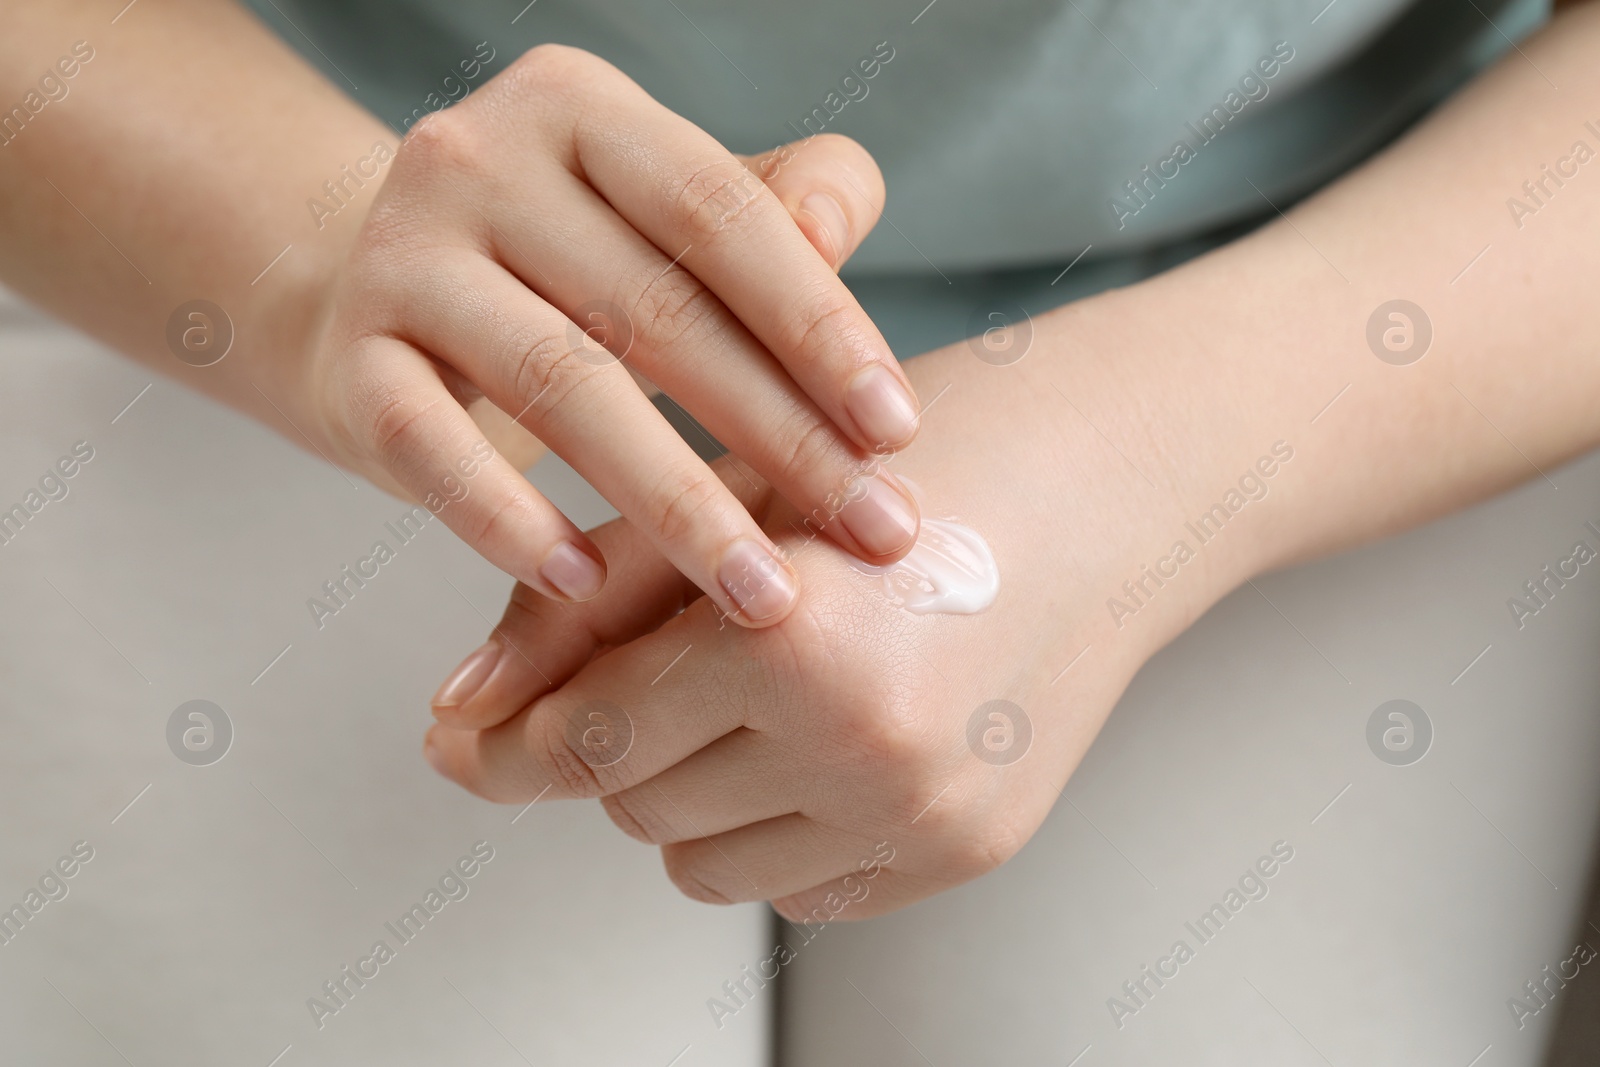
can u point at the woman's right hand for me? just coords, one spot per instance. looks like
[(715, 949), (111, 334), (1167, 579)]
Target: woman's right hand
[(554, 230)]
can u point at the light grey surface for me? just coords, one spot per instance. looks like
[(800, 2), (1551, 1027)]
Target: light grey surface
[(1415, 905), (177, 568)]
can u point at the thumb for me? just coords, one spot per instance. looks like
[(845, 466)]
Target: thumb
[(832, 188)]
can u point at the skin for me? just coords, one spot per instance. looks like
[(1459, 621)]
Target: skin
[(774, 765), (509, 238), (777, 763)]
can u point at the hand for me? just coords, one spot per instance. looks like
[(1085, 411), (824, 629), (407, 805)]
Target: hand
[(847, 753), (558, 221)]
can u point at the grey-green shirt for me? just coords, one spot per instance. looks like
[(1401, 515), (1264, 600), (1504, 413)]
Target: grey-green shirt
[(1009, 131)]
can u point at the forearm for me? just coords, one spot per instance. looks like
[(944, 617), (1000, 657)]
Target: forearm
[(177, 165), (1204, 368)]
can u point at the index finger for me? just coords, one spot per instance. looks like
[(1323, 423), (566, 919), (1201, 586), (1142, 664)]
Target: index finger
[(696, 201)]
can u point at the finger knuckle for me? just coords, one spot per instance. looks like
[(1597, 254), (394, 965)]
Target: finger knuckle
[(715, 196), (562, 760), (396, 424), (853, 156), (810, 447), (634, 816), (828, 323), (547, 67), (674, 307), (505, 522), (974, 850), (682, 504), (544, 371), (687, 870), (879, 731), (926, 805), (835, 144), (549, 89), (512, 786), (446, 139)]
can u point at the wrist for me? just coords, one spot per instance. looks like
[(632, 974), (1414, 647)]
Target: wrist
[(1191, 479)]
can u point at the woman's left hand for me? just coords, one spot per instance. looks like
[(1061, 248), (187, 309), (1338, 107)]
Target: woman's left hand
[(854, 752)]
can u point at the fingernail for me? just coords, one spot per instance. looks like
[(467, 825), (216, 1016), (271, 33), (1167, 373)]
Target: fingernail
[(467, 679), (435, 758), (573, 572), (762, 587), (884, 411), (880, 519), (831, 221)]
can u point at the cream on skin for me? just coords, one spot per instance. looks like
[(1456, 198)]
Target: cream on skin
[(949, 571)]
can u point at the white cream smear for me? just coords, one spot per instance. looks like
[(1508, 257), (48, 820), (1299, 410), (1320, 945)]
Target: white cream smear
[(949, 571)]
